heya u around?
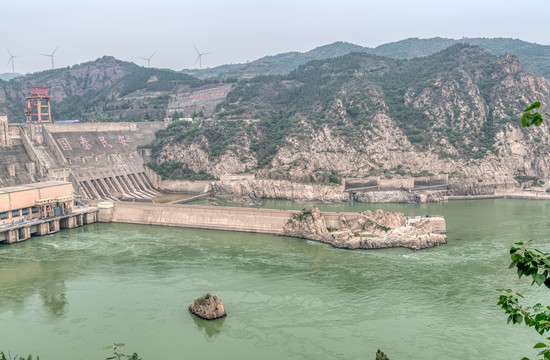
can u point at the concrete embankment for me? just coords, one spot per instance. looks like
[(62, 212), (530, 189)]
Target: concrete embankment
[(472, 197), (525, 195), (203, 217), (270, 221)]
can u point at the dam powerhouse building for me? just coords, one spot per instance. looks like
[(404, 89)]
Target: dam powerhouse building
[(41, 208)]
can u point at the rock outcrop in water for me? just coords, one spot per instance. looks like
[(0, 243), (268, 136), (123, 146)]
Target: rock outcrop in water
[(369, 230), (208, 307)]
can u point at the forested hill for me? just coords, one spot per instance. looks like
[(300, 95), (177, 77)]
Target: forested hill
[(453, 112), (106, 89), (534, 57)]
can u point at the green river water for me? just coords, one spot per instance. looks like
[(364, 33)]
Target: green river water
[(68, 295)]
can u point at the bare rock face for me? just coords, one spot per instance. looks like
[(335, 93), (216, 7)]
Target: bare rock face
[(208, 307), (280, 189)]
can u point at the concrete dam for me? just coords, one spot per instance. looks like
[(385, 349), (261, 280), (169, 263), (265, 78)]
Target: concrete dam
[(102, 160)]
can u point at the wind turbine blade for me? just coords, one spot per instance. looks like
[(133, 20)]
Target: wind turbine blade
[(9, 52), (198, 58), (197, 50), (206, 53), (141, 57), (152, 55), (45, 54), (57, 47), (9, 61)]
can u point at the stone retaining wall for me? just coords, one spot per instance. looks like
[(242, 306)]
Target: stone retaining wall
[(202, 217)]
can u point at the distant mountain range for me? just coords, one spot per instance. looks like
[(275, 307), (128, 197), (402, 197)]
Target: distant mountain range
[(534, 57), (9, 76), (108, 89)]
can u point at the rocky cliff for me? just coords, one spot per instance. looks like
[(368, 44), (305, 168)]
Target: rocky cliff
[(280, 189)]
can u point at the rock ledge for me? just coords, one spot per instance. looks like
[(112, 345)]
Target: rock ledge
[(368, 230)]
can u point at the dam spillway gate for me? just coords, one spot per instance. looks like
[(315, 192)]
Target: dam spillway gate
[(102, 160)]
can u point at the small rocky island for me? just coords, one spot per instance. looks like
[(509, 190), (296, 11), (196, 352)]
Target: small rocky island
[(368, 230), (208, 307)]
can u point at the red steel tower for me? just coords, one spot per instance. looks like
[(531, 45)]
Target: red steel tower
[(38, 106)]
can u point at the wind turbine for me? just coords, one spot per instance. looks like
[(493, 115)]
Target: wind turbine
[(51, 55), (199, 57), (148, 59), (12, 62)]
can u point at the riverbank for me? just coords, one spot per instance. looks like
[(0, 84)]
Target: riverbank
[(251, 192)]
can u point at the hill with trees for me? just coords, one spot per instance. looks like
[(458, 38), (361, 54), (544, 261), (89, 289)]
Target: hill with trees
[(451, 113), (106, 89)]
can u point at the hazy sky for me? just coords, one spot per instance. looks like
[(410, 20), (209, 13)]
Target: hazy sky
[(236, 31)]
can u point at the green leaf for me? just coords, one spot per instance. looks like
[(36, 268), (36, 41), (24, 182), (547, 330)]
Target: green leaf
[(540, 345), (108, 347), (534, 105)]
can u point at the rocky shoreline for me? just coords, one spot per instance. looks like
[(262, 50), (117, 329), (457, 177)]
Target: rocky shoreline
[(252, 192), (369, 230)]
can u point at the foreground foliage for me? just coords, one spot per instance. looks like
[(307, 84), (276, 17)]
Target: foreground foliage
[(119, 356), (529, 263), (16, 357), (381, 356)]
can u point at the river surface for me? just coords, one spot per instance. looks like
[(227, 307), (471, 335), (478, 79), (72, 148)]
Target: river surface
[(66, 296)]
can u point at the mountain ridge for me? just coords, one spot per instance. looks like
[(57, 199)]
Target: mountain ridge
[(453, 112), (533, 56)]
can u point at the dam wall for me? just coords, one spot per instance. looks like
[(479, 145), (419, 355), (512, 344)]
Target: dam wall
[(182, 186), (268, 221), (102, 160), (16, 166), (378, 184), (178, 186), (203, 217)]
